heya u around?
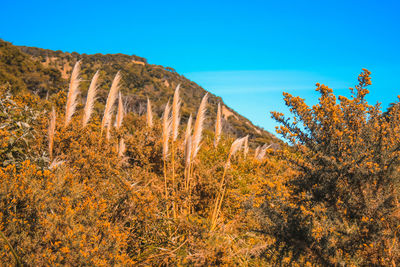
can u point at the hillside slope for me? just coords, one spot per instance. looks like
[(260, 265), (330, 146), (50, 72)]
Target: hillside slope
[(139, 81)]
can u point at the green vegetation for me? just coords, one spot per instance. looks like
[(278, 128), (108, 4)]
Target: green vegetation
[(141, 80)]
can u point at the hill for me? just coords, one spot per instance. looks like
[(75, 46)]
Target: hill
[(45, 72)]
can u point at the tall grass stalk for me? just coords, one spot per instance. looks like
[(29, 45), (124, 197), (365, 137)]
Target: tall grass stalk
[(90, 99), (246, 146), (218, 126), (120, 112), (197, 136), (73, 93), (235, 147), (263, 150), (121, 148), (166, 133), (176, 105), (149, 115), (188, 131), (257, 151), (198, 126), (51, 132), (188, 149), (112, 96)]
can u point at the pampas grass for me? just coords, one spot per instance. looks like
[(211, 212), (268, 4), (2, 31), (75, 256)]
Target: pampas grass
[(108, 131), (188, 151), (176, 105), (263, 150), (73, 93), (91, 98), (195, 141), (246, 146), (188, 154), (51, 132), (198, 126), (188, 129), (257, 151), (120, 113), (218, 126), (235, 147), (110, 101), (149, 115), (166, 133), (121, 148), (166, 130)]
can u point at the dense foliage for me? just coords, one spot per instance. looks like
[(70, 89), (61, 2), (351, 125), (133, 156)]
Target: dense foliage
[(86, 195), (344, 208)]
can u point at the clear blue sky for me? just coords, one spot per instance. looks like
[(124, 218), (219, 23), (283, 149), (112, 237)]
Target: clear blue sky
[(247, 52)]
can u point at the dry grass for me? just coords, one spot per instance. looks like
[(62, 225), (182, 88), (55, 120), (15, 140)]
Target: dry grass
[(235, 147), (120, 113), (112, 96), (188, 131), (246, 146), (91, 98), (121, 148), (198, 126), (51, 132), (149, 115), (218, 126), (166, 129), (261, 152), (176, 105), (73, 93)]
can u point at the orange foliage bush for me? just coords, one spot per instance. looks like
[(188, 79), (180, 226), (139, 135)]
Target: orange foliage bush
[(90, 206), (344, 204)]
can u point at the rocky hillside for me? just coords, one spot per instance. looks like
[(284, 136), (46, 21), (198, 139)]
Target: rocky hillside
[(45, 72)]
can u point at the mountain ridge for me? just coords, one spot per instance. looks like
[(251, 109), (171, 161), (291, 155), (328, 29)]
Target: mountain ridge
[(139, 81)]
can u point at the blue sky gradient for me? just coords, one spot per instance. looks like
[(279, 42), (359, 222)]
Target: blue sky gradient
[(247, 52)]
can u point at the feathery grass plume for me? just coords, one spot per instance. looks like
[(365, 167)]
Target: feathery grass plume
[(257, 151), (235, 147), (166, 132), (52, 129), (263, 150), (55, 163), (218, 126), (91, 98), (73, 93), (188, 129), (176, 105), (108, 131), (246, 146), (112, 96), (120, 113), (166, 129), (121, 148), (187, 143), (149, 115), (188, 154), (198, 126), (188, 150)]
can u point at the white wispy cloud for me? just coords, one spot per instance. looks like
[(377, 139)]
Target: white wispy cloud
[(255, 93), (259, 81)]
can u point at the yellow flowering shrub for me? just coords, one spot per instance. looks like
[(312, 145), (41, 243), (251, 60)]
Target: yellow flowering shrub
[(344, 204)]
